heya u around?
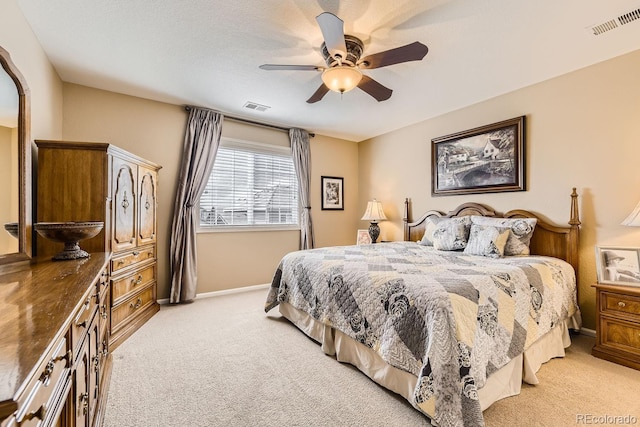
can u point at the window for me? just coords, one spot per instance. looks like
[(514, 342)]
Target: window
[(251, 185)]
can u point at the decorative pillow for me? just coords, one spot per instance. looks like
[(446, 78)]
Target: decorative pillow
[(430, 227), (520, 235), (487, 240), (451, 234)]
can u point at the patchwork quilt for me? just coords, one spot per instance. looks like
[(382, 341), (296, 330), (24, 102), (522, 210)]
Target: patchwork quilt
[(448, 318)]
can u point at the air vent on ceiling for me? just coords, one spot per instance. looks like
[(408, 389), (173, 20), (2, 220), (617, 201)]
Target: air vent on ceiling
[(255, 106), (612, 24)]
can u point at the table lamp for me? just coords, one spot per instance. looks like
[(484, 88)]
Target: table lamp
[(374, 213)]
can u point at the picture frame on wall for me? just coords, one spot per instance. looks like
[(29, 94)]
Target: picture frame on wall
[(486, 159), (363, 237), (332, 193), (618, 265)]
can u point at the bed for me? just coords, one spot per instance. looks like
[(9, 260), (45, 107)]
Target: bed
[(451, 329)]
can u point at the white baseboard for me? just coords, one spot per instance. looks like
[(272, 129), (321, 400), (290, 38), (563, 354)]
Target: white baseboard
[(588, 332), (223, 292)]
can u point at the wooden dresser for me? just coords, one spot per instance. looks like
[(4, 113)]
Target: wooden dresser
[(618, 324), (54, 367), (79, 181)]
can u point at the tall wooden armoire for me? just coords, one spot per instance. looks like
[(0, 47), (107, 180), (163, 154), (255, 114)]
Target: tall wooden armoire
[(85, 181)]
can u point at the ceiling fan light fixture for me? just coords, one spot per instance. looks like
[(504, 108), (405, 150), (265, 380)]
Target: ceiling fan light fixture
[(341, 78)]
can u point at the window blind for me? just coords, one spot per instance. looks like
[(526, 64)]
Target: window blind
[(250, 186)]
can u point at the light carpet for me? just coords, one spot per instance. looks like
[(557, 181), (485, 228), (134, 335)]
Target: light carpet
[(222, 361)]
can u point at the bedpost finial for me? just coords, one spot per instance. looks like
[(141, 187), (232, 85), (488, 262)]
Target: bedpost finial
[(575, 216)]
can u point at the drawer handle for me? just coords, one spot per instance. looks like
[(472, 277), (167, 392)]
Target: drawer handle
[(103, 311), (48, 370), (121, 262), (136, 253), (621, 304), (137, 304), (137, 281), (40, 413), (150, 254), (84, 401)]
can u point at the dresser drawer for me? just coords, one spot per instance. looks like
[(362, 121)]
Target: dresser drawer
[(122, 261), (49, 391), (617, 303), (130, 307), (80, 325), (620, 335), (122, 288)]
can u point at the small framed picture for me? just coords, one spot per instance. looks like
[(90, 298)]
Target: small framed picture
[(363, 237), (617, 265), (332, 193)]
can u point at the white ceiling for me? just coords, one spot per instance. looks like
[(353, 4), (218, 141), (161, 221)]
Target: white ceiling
[(207, 52)]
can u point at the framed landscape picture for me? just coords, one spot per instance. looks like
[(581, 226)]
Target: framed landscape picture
[(332, 193), (618, 266), (487, 159)]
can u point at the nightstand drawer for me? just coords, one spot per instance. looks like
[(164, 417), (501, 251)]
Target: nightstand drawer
[(621, 335), (620, 303)]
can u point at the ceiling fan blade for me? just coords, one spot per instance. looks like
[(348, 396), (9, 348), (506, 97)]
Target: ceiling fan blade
[(332, 29), (411, 52), (318, 94), (375, 89), (290, 67)]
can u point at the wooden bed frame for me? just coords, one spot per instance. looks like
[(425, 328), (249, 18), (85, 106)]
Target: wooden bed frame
[(547, 239)]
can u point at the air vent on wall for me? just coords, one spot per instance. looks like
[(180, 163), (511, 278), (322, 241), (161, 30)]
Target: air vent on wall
[(255, 106), (612, 24)]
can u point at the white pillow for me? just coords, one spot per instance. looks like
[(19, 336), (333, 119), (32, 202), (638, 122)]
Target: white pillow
[(520, 235), (487, 240), (429, 228), (451, 234)]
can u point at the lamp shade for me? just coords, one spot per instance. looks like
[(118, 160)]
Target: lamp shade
[(374, 212), (633, 219), (341, 78)]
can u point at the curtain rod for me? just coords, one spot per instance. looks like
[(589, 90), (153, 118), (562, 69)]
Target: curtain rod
[(251, 122)]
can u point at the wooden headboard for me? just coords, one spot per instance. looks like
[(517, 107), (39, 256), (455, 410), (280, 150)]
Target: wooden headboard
[(547, 239)]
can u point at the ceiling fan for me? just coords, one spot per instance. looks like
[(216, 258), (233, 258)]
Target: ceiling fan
[(342, 54)]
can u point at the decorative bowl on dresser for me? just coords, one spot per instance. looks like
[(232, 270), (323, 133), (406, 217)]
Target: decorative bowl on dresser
[(12, 228), (70, 233), (618, 324)]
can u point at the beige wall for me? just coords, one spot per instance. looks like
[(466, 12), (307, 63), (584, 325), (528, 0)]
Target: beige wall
[(44, 84), (155, 131), (583, 130)]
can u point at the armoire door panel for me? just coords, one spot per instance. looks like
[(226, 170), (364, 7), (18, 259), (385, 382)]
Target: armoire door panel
[(124, 205), (147, 205)]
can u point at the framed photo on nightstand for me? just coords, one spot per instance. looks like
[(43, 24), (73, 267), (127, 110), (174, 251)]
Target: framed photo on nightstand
[(363, 237), (618, 265)]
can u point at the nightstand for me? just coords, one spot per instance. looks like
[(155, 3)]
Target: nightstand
[(618, 324)]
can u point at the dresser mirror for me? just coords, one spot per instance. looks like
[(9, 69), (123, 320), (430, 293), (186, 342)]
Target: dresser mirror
[(15, 164)]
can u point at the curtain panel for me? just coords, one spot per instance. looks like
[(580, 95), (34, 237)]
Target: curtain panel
[(201, 142), (301, 153)]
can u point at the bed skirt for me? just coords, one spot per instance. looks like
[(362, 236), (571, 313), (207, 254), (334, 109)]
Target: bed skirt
[(505, 382)]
